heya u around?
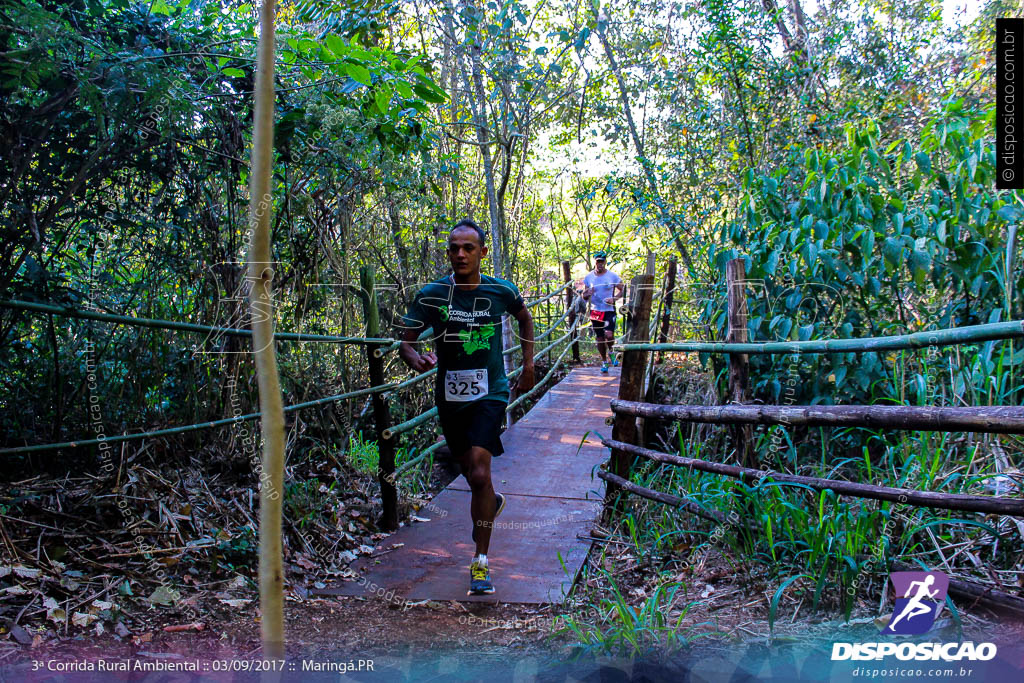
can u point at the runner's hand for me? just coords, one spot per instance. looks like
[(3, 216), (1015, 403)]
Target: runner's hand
[(525, 381), (610, 301), (424, 362)]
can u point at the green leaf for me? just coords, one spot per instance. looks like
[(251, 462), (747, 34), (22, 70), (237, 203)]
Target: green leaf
[(338, 46), (429, 94), (924, 162), (358, 73), (1009, 213), (403, 89), (382, 99), (773, 608), (233, 72)]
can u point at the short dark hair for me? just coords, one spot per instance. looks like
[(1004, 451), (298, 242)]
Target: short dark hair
[(468, 223)]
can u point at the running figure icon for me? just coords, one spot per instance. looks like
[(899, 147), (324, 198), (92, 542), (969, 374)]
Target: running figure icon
[(915, 607), (918, 599)]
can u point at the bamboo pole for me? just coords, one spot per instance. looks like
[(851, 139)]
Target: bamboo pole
[(666, 316), (666, 498), (739, 365), (381, 418), (261, 276), (546, 297), (917, 340), (69, 312), (545, 378), (980, 419), (569, 300), (932, 499), (411, 423)]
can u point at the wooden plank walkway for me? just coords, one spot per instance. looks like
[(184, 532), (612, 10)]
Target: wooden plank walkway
[(551, 497)]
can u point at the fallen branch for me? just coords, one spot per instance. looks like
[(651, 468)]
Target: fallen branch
[(666, 498), (176, 628), (932, 499)]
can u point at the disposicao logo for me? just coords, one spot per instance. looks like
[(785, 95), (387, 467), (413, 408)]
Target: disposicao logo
[(919, 597), (923, 594)]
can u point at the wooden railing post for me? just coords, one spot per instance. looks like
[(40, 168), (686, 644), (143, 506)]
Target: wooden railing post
[(739, 366), (666, 314), (547, 307), (570, 295), (381, 417), (631, 381)]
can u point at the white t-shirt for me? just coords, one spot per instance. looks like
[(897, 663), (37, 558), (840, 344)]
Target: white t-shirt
[(604, 288)]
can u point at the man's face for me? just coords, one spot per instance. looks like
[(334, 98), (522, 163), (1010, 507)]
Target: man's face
[(599, 263), (465, 251)]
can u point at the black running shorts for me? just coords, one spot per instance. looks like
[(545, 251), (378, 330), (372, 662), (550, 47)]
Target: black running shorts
[(472, 424), (608, 323)]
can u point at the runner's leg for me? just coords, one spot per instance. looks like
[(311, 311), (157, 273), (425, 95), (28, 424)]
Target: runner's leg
[(602, 345), (477, 466)]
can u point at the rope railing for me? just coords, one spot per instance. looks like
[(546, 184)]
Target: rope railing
[(915, 340), (531, 304), (186, 327), (543, 380), (191, 327), (193, 427)]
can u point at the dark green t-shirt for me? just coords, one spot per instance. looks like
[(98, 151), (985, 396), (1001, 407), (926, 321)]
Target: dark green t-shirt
[(467, 335)]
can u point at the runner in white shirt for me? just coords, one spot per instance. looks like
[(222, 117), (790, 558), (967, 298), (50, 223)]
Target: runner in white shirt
[(601, 288)]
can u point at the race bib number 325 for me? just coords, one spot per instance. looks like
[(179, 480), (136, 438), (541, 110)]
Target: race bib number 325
[(465, 385)]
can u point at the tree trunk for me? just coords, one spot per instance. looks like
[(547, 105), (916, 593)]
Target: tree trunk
[(261, 275), (645, 163), (478, 106)]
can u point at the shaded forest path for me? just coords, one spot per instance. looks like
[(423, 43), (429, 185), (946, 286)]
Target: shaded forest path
[(545, 474)]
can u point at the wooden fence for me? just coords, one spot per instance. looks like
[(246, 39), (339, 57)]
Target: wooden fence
[(741, 416)]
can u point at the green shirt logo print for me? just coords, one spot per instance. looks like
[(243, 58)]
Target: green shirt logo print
[(477, 339), (444, 313)]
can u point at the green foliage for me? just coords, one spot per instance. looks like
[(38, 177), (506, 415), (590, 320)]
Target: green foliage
[(626, 630), (363, 455), (871, 238)]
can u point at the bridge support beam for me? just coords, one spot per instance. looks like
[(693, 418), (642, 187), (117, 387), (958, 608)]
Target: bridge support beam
[(631, 383)]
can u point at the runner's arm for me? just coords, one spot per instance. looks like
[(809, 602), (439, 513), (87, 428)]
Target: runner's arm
[(420, 362), (525, 320)]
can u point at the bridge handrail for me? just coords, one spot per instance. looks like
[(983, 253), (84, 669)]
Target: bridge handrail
[(1013, 329), (193, 427), (145, 322), (69, 312)]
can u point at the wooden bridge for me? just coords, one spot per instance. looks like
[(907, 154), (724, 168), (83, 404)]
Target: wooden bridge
[(546, 476)]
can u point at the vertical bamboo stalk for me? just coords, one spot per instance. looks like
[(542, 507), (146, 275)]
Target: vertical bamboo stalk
[(381, 416), (261, 276), (547, 306), (666, 314), (569, 296), (739, 365)]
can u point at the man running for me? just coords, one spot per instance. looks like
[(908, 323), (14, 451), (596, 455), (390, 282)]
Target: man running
[(471, 389), (601, 288)]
